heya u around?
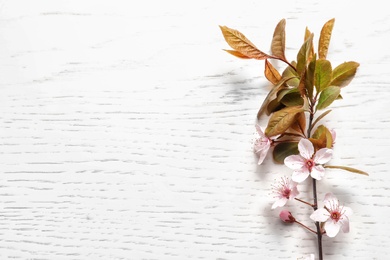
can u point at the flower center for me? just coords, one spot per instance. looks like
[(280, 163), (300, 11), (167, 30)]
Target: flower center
[(310, 164), (335, 215), (286, 193)]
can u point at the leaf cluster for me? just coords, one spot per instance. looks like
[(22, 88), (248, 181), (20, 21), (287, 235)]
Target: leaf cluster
[(308, 84), (311, 75)]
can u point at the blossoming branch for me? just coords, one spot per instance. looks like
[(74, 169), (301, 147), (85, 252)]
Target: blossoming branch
[(295, 105)]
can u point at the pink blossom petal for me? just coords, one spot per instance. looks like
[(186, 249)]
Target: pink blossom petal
[(262, 154), (300, 175), (294, 192), (332, 228), (286, 216), (306, 148), (333, 133), (260, 131), (330, 200), (261, 144), (329, 196), (323, 156), (344, 224), (294, 162), (347, 211), (279, 203), (317, 172), (320, 215)]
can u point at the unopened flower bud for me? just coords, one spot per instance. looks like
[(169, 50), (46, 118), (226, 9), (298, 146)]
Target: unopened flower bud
[(286, 216)]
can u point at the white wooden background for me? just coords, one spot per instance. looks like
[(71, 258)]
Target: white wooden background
[(125, 130)]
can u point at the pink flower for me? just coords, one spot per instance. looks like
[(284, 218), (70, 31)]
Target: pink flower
[(261, 145), (286, 216), (333, 133), (305, 163), (336, 217), (287, 190)]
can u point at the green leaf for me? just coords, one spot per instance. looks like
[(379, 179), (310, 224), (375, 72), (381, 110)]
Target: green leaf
[(309, 77), (304, 54), (327, 97), (271, 94), (322, 74), (284, 92), (344, 73), (282, 150), (346, 168), (281, 120), (278, 40), (326, 33), (292, 98), (274, 106), (290, 72)]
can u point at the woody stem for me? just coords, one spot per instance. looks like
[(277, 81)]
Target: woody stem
[(319, 234)]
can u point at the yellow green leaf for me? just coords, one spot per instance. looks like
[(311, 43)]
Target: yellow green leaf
[(281, 120), (327, 97), (346, 168), (309, 77), (237, 54), (303, 55), (279, 40), (271, 73), (344, 73), (240, 43), (326, 33), (322, 74)]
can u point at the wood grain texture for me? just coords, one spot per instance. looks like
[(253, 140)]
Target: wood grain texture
[(126, 131)]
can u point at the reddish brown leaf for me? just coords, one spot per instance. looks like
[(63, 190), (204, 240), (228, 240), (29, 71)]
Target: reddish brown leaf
[(323, 44), (240, 43), (281, 120), (237, 54), (271, 73), (279, 40), (302, 84), (271, 94), (307, 35), (300, 124)]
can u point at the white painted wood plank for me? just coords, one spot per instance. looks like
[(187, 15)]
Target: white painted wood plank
[(126, 131)]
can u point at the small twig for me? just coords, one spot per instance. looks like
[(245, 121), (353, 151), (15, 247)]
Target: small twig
[(302, 225), (305, 202)]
